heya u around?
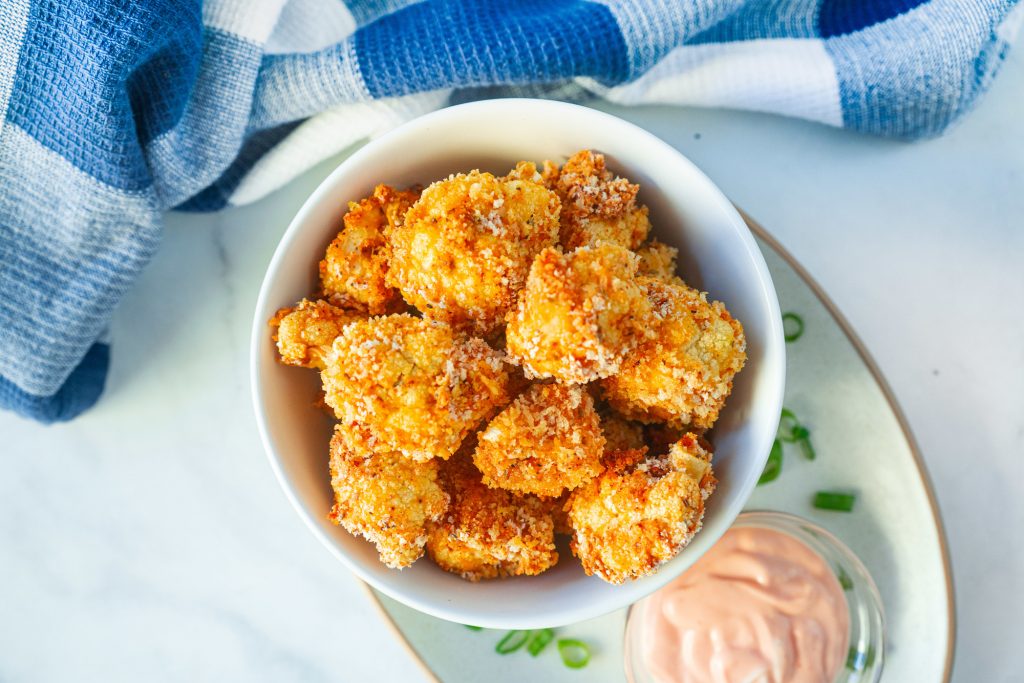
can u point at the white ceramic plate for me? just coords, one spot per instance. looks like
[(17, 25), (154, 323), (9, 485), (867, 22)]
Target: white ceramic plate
[(863, 444), (718, 255)]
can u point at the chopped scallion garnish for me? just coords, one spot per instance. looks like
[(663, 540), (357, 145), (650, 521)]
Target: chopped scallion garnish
[(575, 653), (797, 328), (805, 446), (857, 660), (844, 579), (512, 641), (787, 423), (834, 500), (773, 467), (474, 628), (540, 640)]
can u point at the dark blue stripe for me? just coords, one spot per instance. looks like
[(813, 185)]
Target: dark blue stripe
[(839, 17), (79, 393), (76, 83), (435, 45)]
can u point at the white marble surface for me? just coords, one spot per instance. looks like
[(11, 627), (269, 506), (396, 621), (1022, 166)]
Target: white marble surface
[(149, 541)]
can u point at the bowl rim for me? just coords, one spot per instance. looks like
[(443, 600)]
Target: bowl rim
[(774, 354)]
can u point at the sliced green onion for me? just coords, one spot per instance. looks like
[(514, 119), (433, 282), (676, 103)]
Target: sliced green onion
[(805, 446), (796, 333), (540, 640), (773, 467), (575, 653), (857, 660), (834, 500), (474, 628), (512, 641), (844, 579), (788, 423)]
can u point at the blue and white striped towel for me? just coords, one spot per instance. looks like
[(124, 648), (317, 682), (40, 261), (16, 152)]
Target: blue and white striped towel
[(113, 110)]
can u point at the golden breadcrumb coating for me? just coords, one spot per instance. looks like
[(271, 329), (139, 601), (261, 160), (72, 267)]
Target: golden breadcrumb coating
[(547, 175), (597, 206), (548, 441), (488, 533), (579, 314), (466, 246), (304, 334), (658, 260), (385, 497), (620, 434), (352, 273), (684, 374), (413, 385), (642, 512)]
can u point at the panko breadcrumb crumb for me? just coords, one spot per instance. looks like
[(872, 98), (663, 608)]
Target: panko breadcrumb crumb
[(579, 314), (352, 272), (489, 533), (597, 206), (304, 334), (684, 374), (547, 441), (413, 385), (465, 247), (642, 512), (384, 497)]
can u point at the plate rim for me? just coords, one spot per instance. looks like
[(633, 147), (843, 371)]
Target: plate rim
[(922, 469)]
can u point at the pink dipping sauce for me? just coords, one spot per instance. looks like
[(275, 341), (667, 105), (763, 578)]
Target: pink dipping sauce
[(759, 607)]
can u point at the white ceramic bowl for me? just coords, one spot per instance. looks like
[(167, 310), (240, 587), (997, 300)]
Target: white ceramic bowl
[(717, 254)]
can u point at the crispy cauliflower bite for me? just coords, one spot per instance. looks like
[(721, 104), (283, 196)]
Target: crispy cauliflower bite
[(684, 374), (658, 260), (384, 497), (620, 434), (579, 314), (641, 511), (413, 385), (352, 273), (304, 334), (465, 248), (549, 440), (597, 206), (489, 533)]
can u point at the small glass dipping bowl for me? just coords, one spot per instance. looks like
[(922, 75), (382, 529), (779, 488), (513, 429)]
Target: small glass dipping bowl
[(867, 621)]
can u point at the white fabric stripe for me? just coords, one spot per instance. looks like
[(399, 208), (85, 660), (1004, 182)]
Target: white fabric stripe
[(250, 19), (328, 133), (13, 19), (94, 223), (310, 25), (789, 76)]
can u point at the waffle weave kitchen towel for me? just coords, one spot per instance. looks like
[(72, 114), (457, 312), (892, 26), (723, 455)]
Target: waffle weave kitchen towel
[(112, 111)]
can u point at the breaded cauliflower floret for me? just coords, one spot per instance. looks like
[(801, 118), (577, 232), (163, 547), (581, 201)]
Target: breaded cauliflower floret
[(641, 511), (547, 175), (548, 441), (684, 374), (304, 334), (620, 434), (352, 273), (597, 206), (466, 246), (658, 260), (413, 385), (579, 314), (489, 533), (384, 497)]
